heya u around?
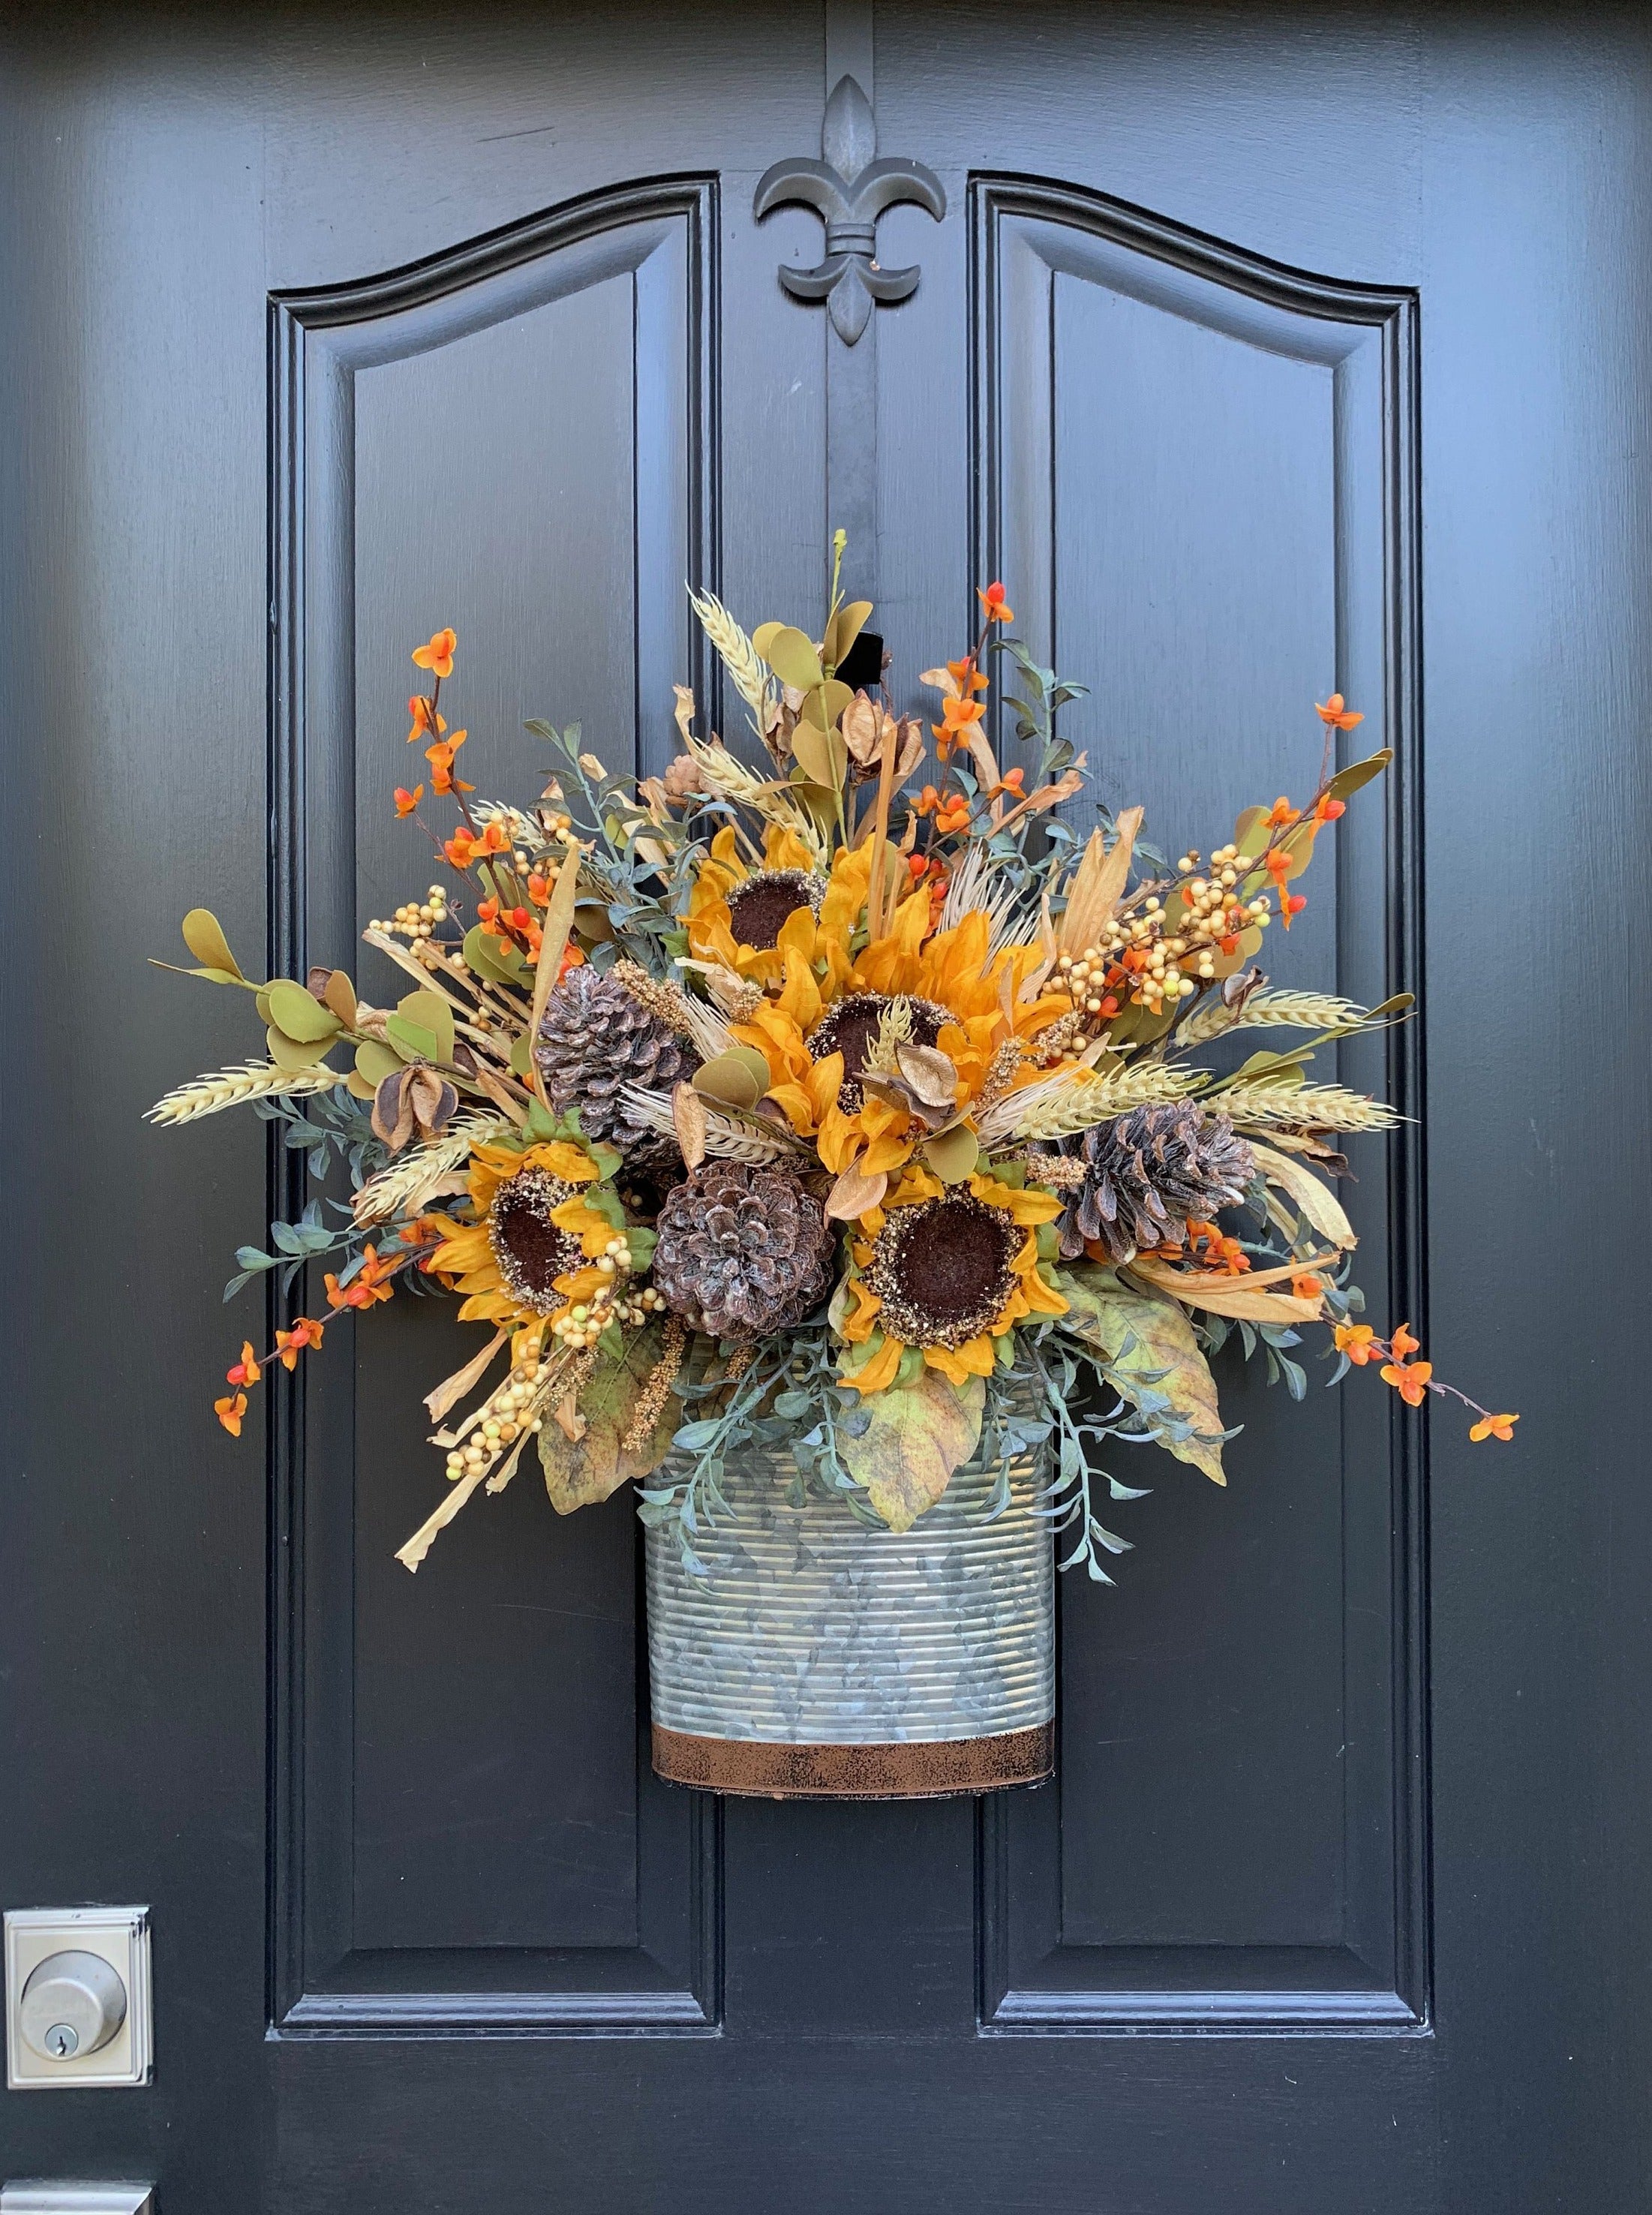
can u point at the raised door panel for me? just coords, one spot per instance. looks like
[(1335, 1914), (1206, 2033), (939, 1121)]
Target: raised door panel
[(1196, 470), (514, 440)]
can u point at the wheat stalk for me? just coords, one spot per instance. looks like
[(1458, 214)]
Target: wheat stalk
[(405, 1185), (1309, 1107), (228, 1088), (731, 1138), (732, 780), (1067, 1101), (739, 656), (1288, 1011)]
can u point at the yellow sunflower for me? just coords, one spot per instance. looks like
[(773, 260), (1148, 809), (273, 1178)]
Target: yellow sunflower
[(737, 913), (957, 996), (523, 1259), (946, 1270)]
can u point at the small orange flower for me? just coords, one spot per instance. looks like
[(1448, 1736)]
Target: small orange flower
[(419, 708), (488, 912), (245, 1370), (1329, 809), (365, 1288), (230, 1411), (459, 849), (1282, 812), (1293, 904), (1012, 780), (1409, 1378), (539, 890), (572, 958), (1335, 713), (290, 1344), (1494, 1427), (1358, 1341), (995, 607), (438, 655), (927, 801), (440, 758), (406, 802), (1402, 1343), (495, 838), (966, 676), (1306, 1286)]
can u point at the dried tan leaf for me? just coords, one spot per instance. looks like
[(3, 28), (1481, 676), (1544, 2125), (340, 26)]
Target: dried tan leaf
[(689, 1120), (1098, 884), (854, 1194), (448, 1395), (1320, 1204), (559, 922)]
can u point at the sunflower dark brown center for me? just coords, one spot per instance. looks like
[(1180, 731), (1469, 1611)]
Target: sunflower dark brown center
[(530, 1250), (945, 1269), (851, 1026), (758, 908)]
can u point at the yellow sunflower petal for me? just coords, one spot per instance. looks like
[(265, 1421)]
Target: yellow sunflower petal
[(858, 1328), (877, 1374), (957, 1363)]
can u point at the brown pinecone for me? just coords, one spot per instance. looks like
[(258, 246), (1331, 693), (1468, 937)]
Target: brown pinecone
[(742, 1251), (1148, 1172), (594, 1039)]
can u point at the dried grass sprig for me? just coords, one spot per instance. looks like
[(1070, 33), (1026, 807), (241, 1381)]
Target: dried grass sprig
[(1307, 1106), (228, 1087), (731, 1137)]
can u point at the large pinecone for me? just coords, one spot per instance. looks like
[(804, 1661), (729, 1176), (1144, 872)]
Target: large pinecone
[(1148, 1172), (594, 1039), (742, 1251)]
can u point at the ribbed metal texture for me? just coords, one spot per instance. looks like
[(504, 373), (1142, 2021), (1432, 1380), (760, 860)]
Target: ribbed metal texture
[(813, 1628)]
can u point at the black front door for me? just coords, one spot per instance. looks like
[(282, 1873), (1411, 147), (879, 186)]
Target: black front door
[(1255, 354)]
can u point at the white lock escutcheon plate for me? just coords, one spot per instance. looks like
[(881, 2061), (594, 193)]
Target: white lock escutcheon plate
[(77, 1998)]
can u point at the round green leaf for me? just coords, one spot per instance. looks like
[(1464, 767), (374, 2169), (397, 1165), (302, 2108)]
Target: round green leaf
[(374, 1063), (953, 1154), (431, 1013), (793, 658), (293, 1053), (411, 1039), (293, 1011), (754, 1061), (203, 936), (730, 1082)]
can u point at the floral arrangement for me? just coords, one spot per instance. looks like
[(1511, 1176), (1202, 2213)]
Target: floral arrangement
[(780, 1103)]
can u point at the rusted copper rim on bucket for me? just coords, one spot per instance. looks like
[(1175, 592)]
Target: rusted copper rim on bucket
[(928, 1769)]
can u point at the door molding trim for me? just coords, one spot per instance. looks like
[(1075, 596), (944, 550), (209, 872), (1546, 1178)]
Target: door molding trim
[(1031, 1980), (317, 1985)]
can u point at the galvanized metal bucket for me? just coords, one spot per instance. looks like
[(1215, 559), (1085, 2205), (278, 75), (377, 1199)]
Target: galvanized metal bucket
[(823, 1657)]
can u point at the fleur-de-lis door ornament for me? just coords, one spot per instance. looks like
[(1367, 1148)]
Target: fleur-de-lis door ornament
[(850, 189)]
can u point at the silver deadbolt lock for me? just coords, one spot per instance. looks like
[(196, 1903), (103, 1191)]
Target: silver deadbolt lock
[(73, 2003)]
